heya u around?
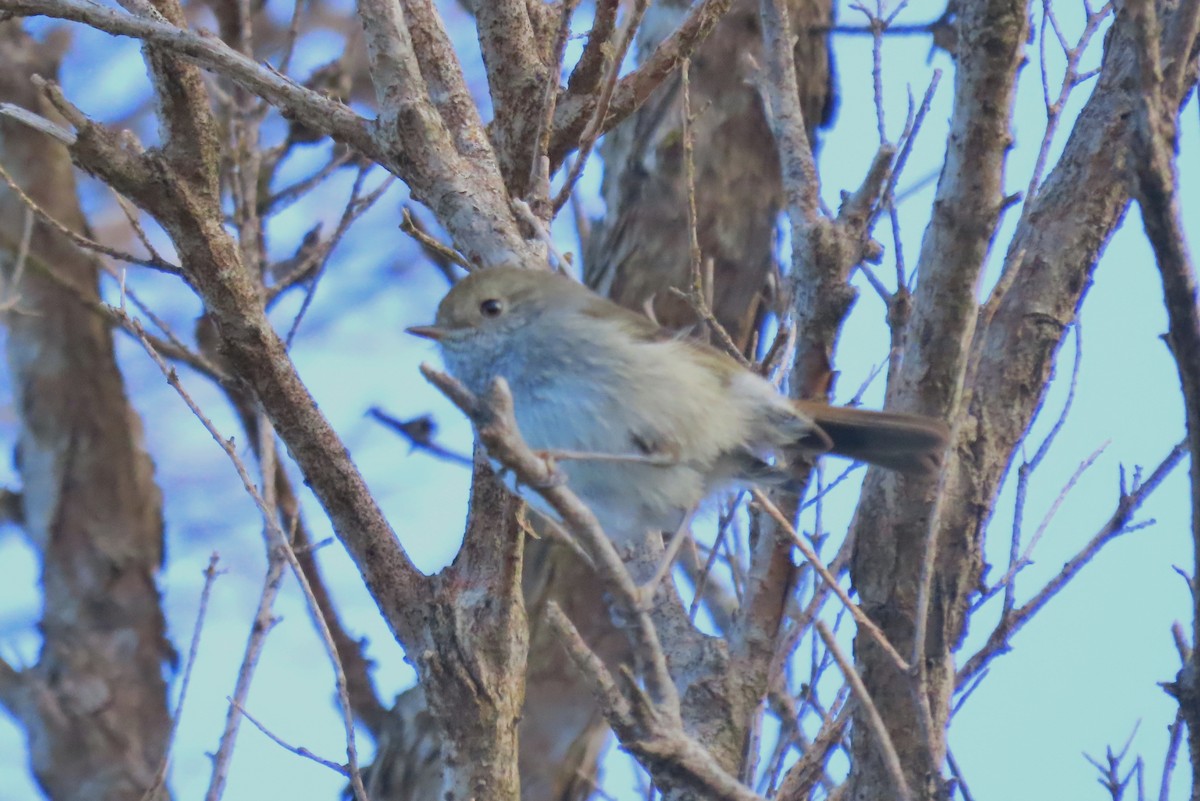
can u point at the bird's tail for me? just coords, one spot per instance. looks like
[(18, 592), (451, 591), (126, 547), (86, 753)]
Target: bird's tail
[(904, 442)]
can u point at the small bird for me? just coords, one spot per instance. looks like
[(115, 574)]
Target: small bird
[(588, 376)]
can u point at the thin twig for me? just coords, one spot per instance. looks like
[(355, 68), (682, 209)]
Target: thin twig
[(1119, 523), (809, 769), (883, 740), (1026, 557), (595, 125), (876, 25), (700, 583), (210, 577), (281, 554), (1071, 79), (593, 668), (78, 239), (1026, 470), (667, 561), (539, 176), (956, 771), (299, 751), (264, 622), (909, 137), (303, 187), (293, 35), (700, 285), (557, 260), (267, 456), (355, 208), (38, 123), (659, 743), (172, 347), (689, 174), (860, 617), (131, 215), (802, 621), (435, 249), (10, 288), (635, 88), (1175, 731)]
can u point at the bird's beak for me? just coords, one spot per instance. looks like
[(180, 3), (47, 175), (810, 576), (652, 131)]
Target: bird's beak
[(428, 332)]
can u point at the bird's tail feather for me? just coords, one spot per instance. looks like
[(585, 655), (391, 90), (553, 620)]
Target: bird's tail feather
[(904, 442)]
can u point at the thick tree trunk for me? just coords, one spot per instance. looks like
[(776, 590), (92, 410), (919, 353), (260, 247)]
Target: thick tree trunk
[(1007, 362), (94, 707)]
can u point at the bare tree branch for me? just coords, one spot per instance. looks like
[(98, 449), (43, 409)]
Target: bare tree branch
[(280, 554), (1154, 145), (498, 432), (517, 71), (864, 622), (671, 756), (448, 90), (896, 552), (585, 78), (631, 92), (210, 577), (878, 729), (311, 108), (1119, 523)]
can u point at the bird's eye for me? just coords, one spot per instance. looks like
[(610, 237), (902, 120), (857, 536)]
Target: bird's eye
[(491, 308)]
